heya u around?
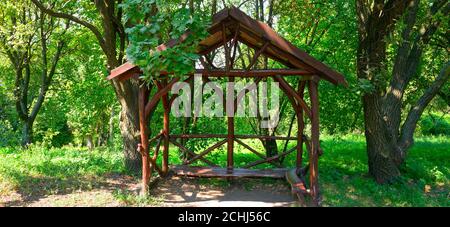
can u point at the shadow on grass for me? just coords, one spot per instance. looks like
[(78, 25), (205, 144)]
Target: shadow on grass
[(59, 176)]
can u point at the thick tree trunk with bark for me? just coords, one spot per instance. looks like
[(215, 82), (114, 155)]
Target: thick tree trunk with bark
[(129, 126), (374, 25), (271, 147), (27, 133), (387, 140), (380, 150)]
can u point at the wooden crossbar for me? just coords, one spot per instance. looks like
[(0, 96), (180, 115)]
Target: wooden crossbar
[(269, 159), (205, 152), (186, 150)]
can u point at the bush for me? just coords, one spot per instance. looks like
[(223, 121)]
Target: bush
[(435, 125), (8, 137)]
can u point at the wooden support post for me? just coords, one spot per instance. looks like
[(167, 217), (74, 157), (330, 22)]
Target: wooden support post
[(314, 152), (230, 123), (301, 127), (166, 132), (143, 147)]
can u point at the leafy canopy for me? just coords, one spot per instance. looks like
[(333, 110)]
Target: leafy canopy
[(155, 22)]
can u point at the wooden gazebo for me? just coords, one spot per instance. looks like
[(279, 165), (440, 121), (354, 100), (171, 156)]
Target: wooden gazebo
[(230, 27)]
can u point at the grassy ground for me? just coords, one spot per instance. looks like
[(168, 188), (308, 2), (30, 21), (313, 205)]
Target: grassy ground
[(39, 172), (29, 175), (425, 180)]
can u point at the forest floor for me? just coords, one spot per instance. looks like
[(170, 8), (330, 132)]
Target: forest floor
[(71, 176), (121, 190)]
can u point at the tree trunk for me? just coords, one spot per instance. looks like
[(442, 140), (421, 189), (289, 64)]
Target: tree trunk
[(111, 127), (89, 142), (271, 148), (27, 133), (375, 23), (380, 151), (386, 146), (129, 123)]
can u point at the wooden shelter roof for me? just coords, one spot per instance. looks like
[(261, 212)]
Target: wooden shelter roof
[(254, 34)]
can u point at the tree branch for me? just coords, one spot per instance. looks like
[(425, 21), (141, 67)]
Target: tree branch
[(77, 20), (406, 139)]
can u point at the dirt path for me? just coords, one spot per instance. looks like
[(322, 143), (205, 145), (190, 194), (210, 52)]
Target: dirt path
[(119, 190), (217, 192)]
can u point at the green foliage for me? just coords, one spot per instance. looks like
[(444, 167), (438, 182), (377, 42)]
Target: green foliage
[(155, 22), (9, 135), (435, 125), (327, 31), (15, 35), (79, 101)]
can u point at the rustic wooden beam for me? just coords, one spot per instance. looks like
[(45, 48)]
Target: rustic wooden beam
[(230, 137), (214, 72), (234, 44), (226, 49), (205, 136), (254, 73), (300, 126), (256, 152), (157, 147), (305, 75), (143, 147), (198, 136), (280, 54), (298, 186), (205, 152), (297, 108), (313, 157), (269, 159), (285, 85), (210, 62), (264, 137), (166, 131), (206, 66), (257, 54), (155, 138), (250, 148), (155, 99), (186, 150)]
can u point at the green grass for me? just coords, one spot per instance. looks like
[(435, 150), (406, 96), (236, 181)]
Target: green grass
[(345, 182), (39, 171), (343, 172), (131, 199)]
